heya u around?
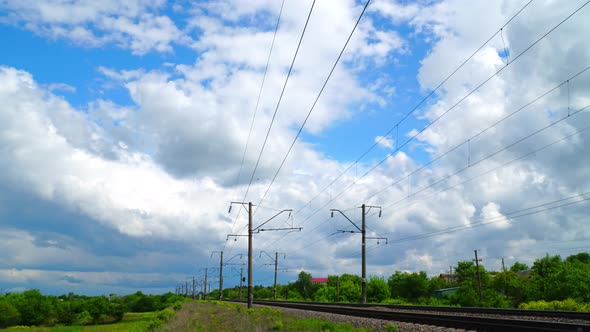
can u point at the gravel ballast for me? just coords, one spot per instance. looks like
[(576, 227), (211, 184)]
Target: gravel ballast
[(378, 325)]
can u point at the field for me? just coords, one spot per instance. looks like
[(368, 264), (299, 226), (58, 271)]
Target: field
[(203, 316), (223, 316), (132, 322)]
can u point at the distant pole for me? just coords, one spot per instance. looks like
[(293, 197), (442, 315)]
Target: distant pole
[(250, 294), (205, 292), (221, 277), (363, 231), (251, 231), (241, 279), (337, 288), (450, 274), (364, 254), (478, 276), (504, 275), (193, 287), (275, 283), (186, 289)]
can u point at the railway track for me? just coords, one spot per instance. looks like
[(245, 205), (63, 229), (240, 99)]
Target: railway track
[(479, 319), (472, 310)]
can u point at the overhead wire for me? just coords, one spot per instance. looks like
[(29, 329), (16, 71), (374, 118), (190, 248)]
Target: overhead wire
[(583, 197), (272, 44), (531, 153), (422, 101), (481, 132), (279, 100), (449, 109), (492, 154), (495, 153), (469, 165), (277, 105), (316, 101)]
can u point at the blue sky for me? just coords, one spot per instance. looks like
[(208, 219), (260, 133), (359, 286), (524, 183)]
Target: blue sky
[(123, 127)]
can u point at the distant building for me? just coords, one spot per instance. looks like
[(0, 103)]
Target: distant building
[(319, 280), (445, 292), (448, 277), (524, 273)]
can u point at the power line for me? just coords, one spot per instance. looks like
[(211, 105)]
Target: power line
[(491, 170), (492, 154), (279, 101), (316, 100), (469, 164), (396, 126), (276, 108), (257, 105), (497, 167), (512, 215), (444, 113)]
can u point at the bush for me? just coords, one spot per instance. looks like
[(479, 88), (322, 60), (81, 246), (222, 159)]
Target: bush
[(9, 316), (277, 326), (154, 325), (117, 311), (83, 318), (177, 305), (166, 314), (568, 305), (391, 327)]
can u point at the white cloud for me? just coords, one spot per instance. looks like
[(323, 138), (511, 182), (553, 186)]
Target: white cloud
[(133, 25), (165, 167), (61, 87), (385, 142)]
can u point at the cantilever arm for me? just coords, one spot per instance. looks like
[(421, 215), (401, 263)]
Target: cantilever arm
[(342, 213), (271, 218)]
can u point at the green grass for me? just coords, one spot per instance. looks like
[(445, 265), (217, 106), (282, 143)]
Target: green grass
[(223, 316), (132, 322)]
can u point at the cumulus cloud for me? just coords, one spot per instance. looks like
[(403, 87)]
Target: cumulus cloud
[(384, 142), (165, 167), (133, 25)]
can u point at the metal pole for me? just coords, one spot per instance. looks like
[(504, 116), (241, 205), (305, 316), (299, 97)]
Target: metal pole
[(241, 278), (275, 284), (205, 292), (478, 277), (193, 287), (250, 294), (221, 276), (364, 270)]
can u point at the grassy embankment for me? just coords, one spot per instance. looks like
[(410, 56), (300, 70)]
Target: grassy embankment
[(132, 322), (205, 316), (223, 316)]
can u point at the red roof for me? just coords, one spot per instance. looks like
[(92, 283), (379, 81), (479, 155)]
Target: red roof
[(319, 280)]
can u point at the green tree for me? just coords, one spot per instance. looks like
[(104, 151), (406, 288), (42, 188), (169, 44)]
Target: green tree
[(9, 315), (518, 266), (575, 280), (469, 283), (350, 288), (303, 285), (582, 257), (98, 308), (546, 279), (325, 294), (377, 289), (33, 307), (409, 286)]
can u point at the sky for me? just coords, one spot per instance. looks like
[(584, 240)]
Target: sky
[(128, 127)]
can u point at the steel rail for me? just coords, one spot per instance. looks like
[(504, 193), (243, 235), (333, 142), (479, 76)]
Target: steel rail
[(444, 316)]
